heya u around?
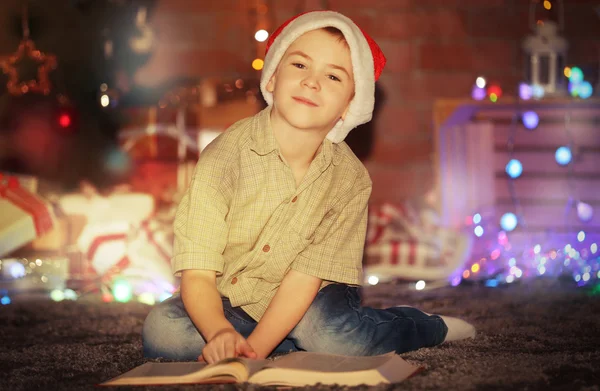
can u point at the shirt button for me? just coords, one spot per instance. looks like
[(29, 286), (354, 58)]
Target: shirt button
[(295, 199), (234, 281), (266, 248)]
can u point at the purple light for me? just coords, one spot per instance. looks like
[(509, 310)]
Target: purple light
[(478, 93), (455, 281), (525, 91), (530, 120), (585, 212)]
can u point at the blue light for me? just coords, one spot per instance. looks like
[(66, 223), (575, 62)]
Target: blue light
[(491, 283), (5, 300), (514, 168), (563, 155), (585, 90), (17, 270), (530, 120), (508, 221), (538, 91), (476, 218)]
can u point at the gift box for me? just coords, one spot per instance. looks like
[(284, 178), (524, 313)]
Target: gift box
[(402, 245), (141, 253), (25, 216)]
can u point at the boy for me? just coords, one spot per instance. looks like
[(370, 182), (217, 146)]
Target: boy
[(270, 235)]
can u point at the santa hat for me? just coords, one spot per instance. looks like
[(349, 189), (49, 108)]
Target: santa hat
[(367, 63)]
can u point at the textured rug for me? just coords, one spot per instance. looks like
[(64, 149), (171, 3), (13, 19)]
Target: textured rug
[(536, 336)]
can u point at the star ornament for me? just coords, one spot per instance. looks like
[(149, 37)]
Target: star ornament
[(46, 63)]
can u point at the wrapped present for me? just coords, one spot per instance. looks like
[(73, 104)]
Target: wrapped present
[(141, 253), (404, 243), (25, 216)]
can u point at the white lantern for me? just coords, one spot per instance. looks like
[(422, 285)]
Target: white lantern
[(545, 53)]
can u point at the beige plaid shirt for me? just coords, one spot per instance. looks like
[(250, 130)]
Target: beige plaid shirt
[(244, 217)]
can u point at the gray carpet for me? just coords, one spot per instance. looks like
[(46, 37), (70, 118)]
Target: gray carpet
[(538, 336)]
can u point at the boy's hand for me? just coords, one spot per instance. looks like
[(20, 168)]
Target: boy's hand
[(226, 343)]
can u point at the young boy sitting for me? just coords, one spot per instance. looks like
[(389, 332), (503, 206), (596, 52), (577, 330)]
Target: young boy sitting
[(270, 235)]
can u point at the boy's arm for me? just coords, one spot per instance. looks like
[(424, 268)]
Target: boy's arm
[(203, 302), (341, 244), (295, 294)]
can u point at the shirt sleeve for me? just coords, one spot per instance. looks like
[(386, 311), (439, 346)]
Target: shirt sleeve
[(200, 228), (336, 254)]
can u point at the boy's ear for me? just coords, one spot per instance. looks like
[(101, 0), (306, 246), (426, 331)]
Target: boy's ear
[(271, 84), (343, 116)]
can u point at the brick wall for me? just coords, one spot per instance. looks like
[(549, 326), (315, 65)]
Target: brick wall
[(435, 49)]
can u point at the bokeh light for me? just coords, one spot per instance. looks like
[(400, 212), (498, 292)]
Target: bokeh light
[(258, 64), (563, 155), (478, 231), (530, 119), (525, 91), (576, 75), (508, 221), (122, 290), (514, 168), (261, 35), (478, 93), (585, 212)]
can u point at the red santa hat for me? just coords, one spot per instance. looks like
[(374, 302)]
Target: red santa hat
[(367, 63)]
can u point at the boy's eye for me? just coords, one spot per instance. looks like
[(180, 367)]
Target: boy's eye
[(298, 65), (334, 78)]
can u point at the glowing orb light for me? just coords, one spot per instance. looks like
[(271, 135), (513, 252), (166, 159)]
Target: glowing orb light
[(525, 91), (585, 90), (478, 231), (478, 93), (514, 168), (530, 120), (538, 91), (585, 212), (508, 221), (122, 290), (576, 75), (563, 155)]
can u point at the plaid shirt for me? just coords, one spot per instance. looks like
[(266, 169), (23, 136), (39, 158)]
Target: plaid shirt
[(244, 217)]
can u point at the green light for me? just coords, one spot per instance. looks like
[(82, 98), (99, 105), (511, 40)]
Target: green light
[(595, 291), (57, 295), (122, 290), (576, 75)]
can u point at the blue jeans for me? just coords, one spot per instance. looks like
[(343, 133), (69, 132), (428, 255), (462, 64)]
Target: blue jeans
[(334, 323)]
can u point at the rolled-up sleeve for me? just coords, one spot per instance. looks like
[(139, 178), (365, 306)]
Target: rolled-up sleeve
[(200, 227), (336, 254)]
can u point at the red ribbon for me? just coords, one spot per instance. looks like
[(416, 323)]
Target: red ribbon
[(29, 203)]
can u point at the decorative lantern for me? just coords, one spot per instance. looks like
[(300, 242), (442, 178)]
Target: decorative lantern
[(545, 55)]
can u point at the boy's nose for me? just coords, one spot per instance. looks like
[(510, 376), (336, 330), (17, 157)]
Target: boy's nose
[(311, 82)]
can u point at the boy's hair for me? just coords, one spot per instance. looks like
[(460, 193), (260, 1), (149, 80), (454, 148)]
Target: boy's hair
[(336, 33)]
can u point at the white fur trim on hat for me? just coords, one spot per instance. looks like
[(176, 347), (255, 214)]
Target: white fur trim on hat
[(361, 106)]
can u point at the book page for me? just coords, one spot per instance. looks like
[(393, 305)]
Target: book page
[(165, 369), (322, 362)]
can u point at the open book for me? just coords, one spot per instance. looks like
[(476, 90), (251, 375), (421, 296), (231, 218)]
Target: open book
[(294, 369)]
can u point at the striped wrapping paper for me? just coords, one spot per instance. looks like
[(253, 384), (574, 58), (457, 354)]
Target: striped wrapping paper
[(400, 245)]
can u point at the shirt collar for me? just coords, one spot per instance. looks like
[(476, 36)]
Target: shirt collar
[(263, 140)]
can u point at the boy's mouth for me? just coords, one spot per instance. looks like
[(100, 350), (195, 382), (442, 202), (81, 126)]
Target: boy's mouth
[(305, 101)]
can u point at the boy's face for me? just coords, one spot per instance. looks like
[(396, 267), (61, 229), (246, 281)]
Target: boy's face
[(313, 84)]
